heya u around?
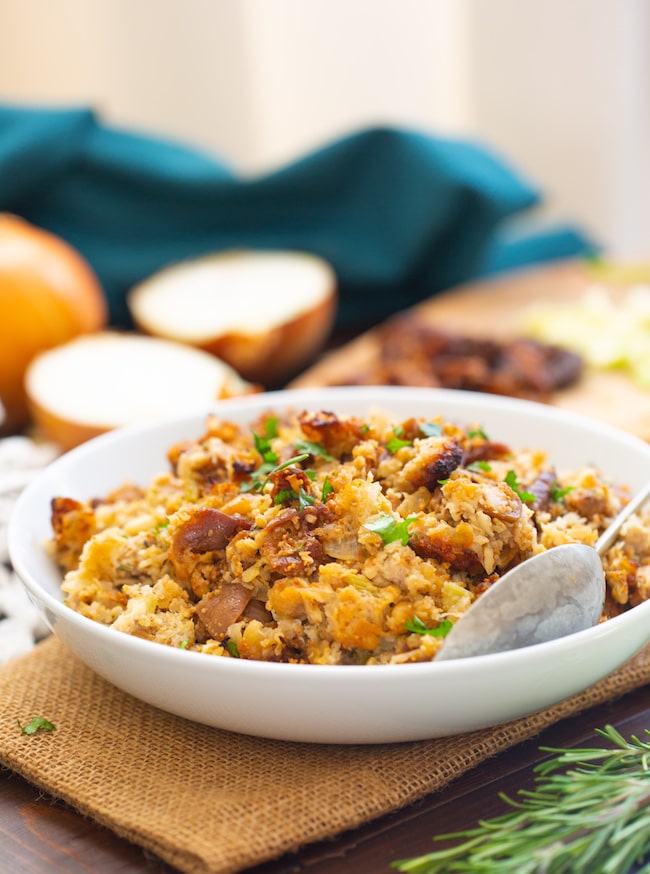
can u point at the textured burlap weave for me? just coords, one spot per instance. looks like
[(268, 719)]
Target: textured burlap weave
[(210, 801)]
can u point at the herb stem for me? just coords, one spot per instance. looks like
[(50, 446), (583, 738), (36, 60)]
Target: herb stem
[(590, 814)]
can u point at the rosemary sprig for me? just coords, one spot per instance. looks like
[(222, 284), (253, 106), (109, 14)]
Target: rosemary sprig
[(592, 818)]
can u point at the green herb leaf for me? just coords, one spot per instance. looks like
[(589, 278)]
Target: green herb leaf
[(260, 477), (417, 625), (263, 446), (557, 493), (315, 449), (479, 465), (431, 429), (283, 496), (588, 814), (271, 427), (511, 480), (328, 488), (231, 646), (36, 723), (395, 444), (304, 498), (390, 529), (477, 432)]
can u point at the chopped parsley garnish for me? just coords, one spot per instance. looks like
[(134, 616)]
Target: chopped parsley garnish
[(259, 478), (431, 429), (184, 644), (418, 627), (263, 446), (328, 488), (477, 432), (36, 723), (231, 646), (311, 448), (390, 529), (396, 443), (557, 492), (511, 480), (479, 465), (304, 498), (271, 427)]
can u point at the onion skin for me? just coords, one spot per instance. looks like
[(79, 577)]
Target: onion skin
[(64, 432), (271, 358), (48, 295)]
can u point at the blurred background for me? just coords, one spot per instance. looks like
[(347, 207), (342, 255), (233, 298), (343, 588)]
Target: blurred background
[(558, 88)]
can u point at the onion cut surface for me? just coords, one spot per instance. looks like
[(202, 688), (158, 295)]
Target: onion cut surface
[(266, 313), (102, 381)]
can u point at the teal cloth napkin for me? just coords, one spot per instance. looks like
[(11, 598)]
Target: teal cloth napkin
[(399, 214)]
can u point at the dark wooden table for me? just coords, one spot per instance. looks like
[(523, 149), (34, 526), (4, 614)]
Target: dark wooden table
[(40, 836)]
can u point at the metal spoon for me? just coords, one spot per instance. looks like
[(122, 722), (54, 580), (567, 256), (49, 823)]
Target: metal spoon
[(552, 594)]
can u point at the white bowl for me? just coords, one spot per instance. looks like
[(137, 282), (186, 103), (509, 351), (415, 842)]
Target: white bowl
[(333, 704)]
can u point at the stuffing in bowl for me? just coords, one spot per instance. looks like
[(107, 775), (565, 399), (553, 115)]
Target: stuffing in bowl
[(314, 538), (288, 564)]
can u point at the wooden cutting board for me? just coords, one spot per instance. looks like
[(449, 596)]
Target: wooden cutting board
[(494, 309)]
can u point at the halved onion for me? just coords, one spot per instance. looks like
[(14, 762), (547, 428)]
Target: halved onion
[(48, 294), (101, 381), (266, 313)]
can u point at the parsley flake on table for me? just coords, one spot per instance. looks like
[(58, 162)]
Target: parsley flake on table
[(36, 723), (389, 529)]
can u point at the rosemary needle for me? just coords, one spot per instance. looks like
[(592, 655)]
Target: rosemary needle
[(588, 814)]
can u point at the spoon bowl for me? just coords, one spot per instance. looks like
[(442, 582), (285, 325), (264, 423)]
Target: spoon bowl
[(550, 595)]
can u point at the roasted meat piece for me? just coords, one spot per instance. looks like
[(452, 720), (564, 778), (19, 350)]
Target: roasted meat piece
[(413, 353)]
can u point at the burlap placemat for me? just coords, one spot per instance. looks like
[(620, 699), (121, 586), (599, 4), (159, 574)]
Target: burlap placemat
[(210, 801)]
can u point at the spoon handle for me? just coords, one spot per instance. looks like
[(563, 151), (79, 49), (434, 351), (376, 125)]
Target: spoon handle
[(610, 533)]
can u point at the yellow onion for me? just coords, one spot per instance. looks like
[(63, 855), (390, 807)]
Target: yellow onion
[(48, 295)]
